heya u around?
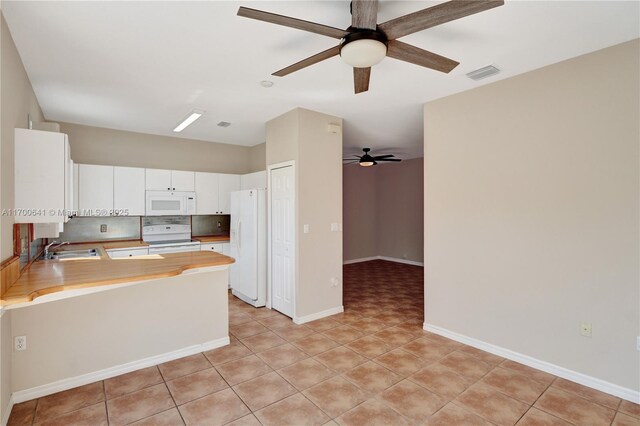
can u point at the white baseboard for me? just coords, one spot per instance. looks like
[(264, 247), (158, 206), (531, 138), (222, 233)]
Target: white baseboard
[(556, 370), (7, 412), (84, 379), (405, 261), (388, 259), (318, 315), (362, 259)]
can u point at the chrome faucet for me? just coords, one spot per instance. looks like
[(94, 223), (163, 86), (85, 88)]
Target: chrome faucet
[(56, 243)]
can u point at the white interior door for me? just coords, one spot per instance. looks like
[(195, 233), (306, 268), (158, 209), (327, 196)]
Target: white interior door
[(283, 240)]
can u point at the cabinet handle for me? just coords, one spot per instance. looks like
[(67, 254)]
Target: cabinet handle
[(174, 189), (168, 189)]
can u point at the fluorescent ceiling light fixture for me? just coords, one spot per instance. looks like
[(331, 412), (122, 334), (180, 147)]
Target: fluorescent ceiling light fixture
[(190, 119)]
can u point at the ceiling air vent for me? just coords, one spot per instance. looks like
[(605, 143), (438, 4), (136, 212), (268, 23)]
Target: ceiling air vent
[(224, 124), (483, 72)]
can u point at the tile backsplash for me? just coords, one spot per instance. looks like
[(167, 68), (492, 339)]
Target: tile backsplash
[(210, 224), (81, 229)]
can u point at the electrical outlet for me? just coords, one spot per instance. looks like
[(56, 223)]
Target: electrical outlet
[(103, 228), (585, 329), (334, 282), (20, 343), (335, 227), (305, 228)]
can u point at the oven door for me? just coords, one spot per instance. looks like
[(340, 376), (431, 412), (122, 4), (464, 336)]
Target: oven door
[(166, 203)]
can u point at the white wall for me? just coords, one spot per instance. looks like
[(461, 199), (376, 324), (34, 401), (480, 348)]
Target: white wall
[(532, 213)]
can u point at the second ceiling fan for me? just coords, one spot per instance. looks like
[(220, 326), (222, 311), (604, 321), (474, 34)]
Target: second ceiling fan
[(365, 43)]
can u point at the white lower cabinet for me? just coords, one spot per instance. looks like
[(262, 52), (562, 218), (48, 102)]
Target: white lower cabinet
[(222, 248), (127, 252)]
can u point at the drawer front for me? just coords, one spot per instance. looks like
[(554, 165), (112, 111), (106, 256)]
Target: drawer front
[(217, 247), (114, 254)]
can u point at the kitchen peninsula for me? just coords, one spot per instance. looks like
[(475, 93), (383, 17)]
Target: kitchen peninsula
[(96, 317)]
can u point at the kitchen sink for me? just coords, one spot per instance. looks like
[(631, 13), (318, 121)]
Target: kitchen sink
[(71, 254)]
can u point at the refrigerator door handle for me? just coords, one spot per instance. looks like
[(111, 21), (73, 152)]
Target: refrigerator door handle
[(239, 239)]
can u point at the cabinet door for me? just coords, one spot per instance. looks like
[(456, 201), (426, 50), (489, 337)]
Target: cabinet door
[(128, 190), (39, 176), (76, 182), (206, 193), (95, 189), (115, 254), (182, 181), (228, 184), (211, 247), (158, 180), (68, 181)]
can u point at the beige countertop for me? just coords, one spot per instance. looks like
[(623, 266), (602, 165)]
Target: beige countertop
[(49, 276)]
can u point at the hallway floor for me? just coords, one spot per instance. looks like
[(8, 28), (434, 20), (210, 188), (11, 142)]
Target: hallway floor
[(371, 365)]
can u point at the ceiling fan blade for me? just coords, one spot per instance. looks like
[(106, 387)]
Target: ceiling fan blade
[(435, 15), (292, 22), (351, 162), (361, 78), (380, 157), (388, 159), (364, 14), (408, 53), (319, 57)]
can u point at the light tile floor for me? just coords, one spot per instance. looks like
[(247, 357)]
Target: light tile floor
[(371, 365)]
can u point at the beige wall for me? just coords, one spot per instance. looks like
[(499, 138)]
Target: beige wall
[(383, 211), (532, 213), (359, 212), (257, 158), (86, 334), (17, 101), (96, 145), (6, 351), (301, 135)]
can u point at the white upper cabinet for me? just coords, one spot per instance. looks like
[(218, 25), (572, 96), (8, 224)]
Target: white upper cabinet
[(182, 181), (95, 190), (227, 185), (42, 176), (158, 180), (169, 180), (213, 192), (128, 190), (207, 193)]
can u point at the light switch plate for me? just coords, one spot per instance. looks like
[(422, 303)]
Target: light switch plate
[(305, 228)]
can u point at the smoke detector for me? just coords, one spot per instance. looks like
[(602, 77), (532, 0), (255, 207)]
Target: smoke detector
[(483, 72)]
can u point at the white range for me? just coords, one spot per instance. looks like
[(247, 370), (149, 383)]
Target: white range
[(168, 234)]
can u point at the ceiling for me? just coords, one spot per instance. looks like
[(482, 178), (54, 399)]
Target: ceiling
[(143, 66)]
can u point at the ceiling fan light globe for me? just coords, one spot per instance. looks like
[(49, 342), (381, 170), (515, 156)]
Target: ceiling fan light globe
[(366, 163), (363, 53)]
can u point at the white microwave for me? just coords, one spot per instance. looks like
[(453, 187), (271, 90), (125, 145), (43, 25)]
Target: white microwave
[(170, 203)]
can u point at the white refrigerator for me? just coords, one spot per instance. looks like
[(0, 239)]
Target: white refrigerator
[(248, 275)]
